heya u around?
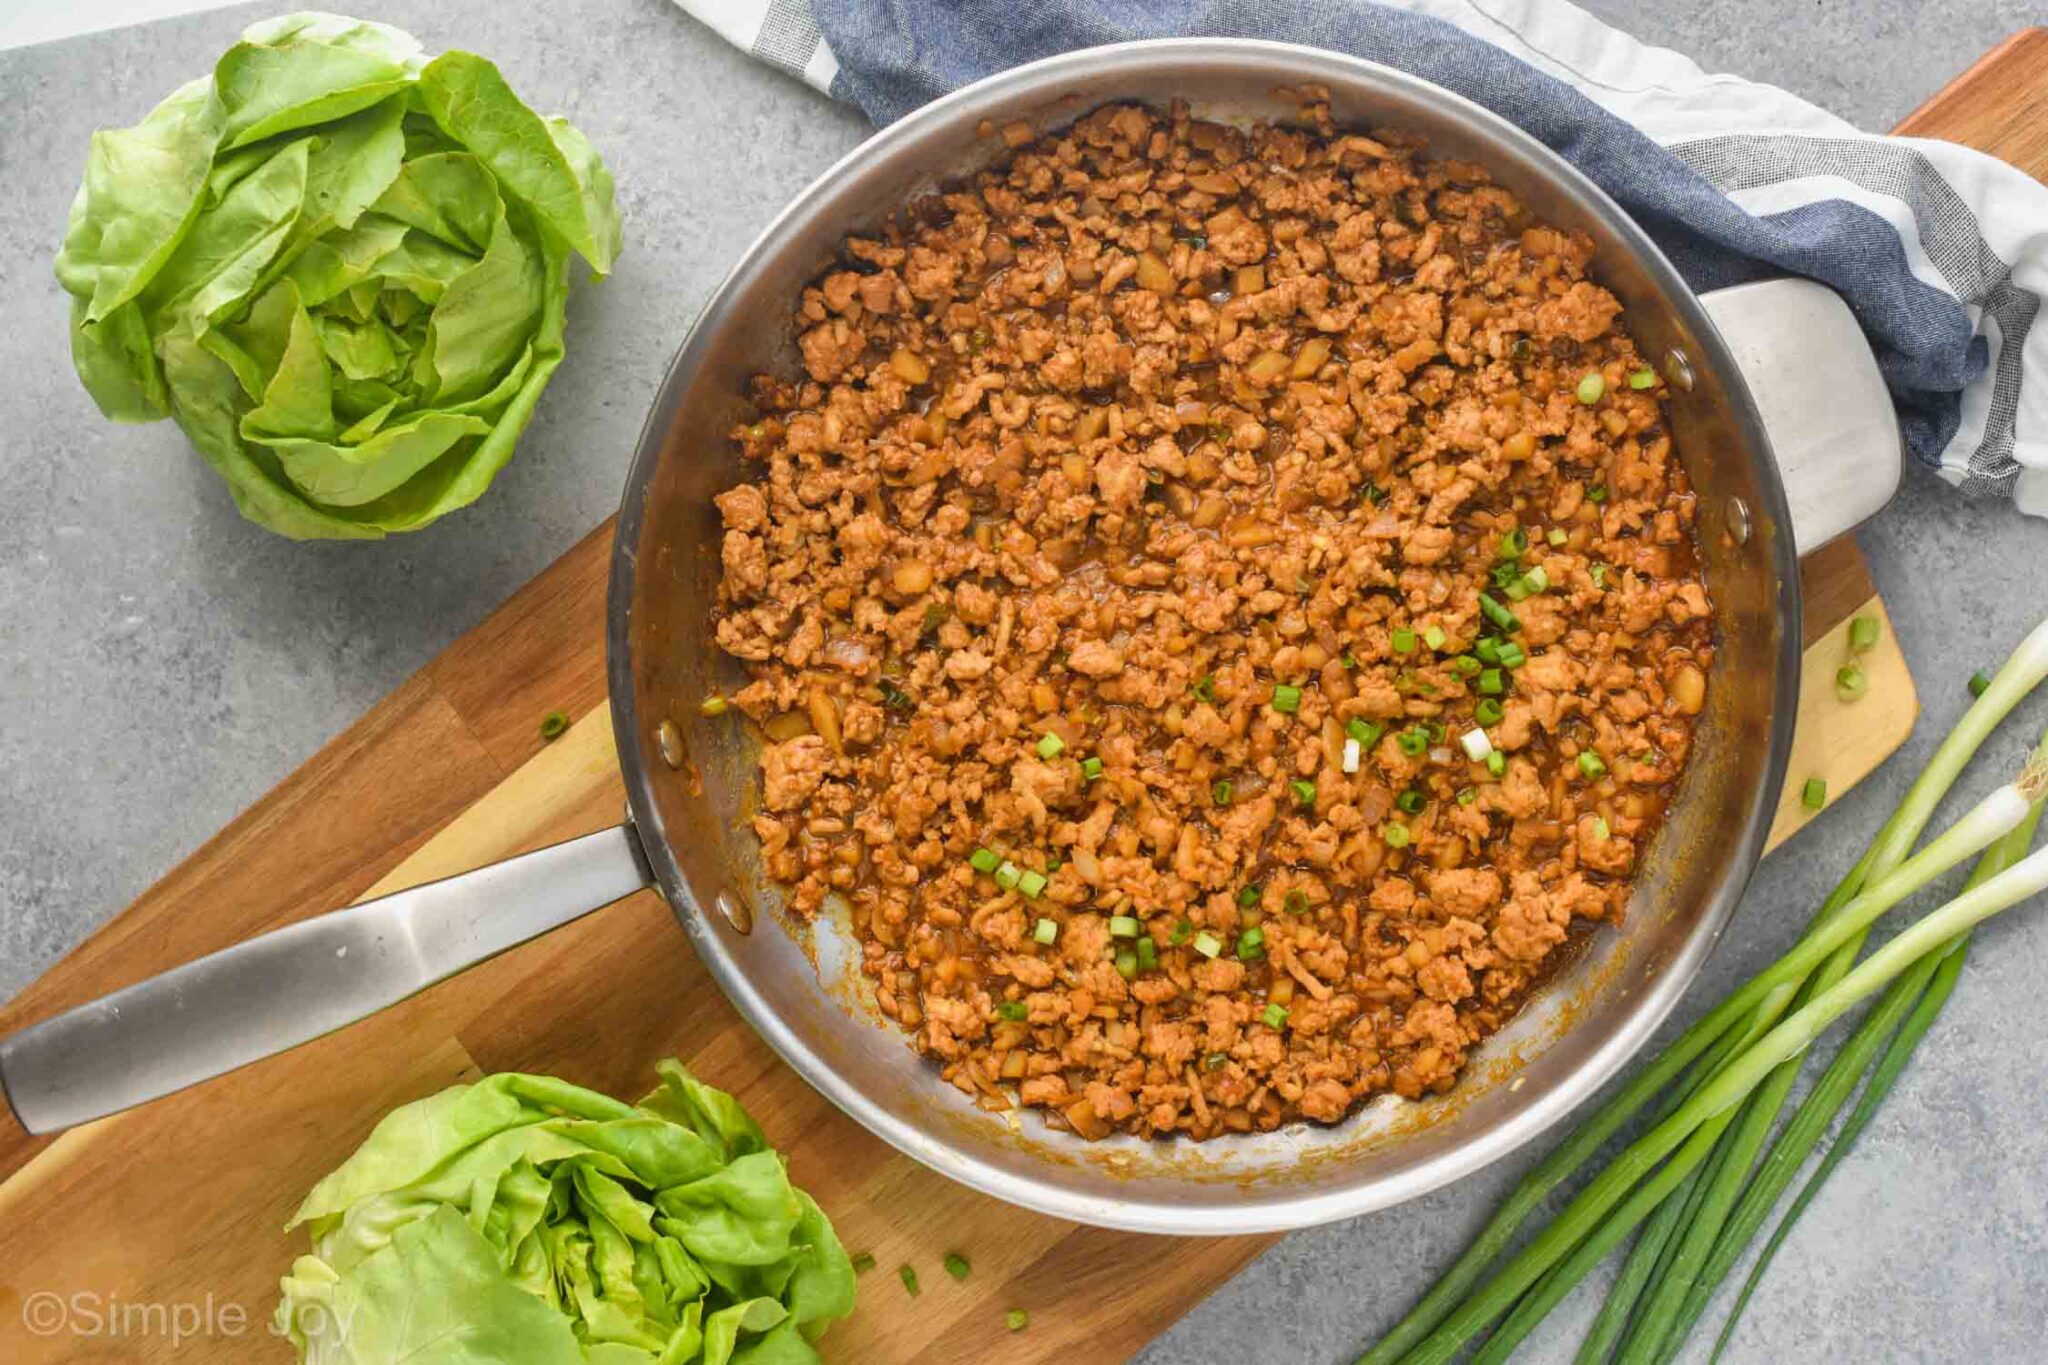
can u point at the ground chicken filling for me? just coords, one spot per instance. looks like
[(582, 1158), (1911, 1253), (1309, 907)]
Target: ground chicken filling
[(1222, 612)]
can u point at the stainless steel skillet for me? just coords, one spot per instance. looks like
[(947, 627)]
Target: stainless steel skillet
[(1781, 421)]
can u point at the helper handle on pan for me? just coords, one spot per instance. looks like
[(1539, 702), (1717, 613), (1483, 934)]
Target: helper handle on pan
[(294, 984), (1824, 404)]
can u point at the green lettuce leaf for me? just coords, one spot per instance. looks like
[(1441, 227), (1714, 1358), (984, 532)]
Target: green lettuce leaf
[(640, 1238), (422, 219)]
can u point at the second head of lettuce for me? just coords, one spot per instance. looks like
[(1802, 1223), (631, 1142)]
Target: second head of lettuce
[(523, 1220), (343, 269)]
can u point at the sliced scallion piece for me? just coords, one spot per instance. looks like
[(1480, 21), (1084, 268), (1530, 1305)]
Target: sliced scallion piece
[(1051, 746), (1814, 794), (1591, 387), (1207, 944), (984, 860), (1852, 682), (1286, 699), (1397, 836), (1863, 633), (1031, 884), (1124, 926), (1045, 931), (1303, 790), (1275, 1016)]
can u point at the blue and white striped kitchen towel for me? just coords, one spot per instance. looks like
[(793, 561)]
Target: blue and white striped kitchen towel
[(1941, 251)]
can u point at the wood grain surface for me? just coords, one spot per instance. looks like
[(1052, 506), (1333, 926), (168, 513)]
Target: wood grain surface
[(181, 1204)]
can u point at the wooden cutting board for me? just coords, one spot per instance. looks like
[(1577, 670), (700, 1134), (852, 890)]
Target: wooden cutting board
[(161, 1229)]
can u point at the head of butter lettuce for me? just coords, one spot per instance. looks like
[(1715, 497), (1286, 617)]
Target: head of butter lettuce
[(343, 269), (526, 1221)]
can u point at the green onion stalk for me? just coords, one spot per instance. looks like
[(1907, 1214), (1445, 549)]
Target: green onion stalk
[(1445, 1319)]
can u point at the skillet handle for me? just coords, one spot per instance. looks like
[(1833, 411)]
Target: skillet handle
[(294, 984), (1824, 404)]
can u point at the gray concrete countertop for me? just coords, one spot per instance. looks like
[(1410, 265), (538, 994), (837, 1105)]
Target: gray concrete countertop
[(163, 662)]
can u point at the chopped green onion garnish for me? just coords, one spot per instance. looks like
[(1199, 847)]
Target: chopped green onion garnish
[(1497, 763), (1597, 493), (1366, 732), (1181, 929), (1978, 682), (1397, 836), (909, 1278), (1148, 954), (1490, 682), (1051, 746), (1221, 791), (1488, 651), (1814, 794), (553, 725), (1123, 926), (1467, 795), (1513, 543), (1852, 682), (1045, 931), (1304, 791), (1348, 662), (1403, 640), (1511, 655), (1017, 1319), (1008, 874), (984, 860), (1600, 830), (1052, 863), (1013, 1010), (1465, 665), (1296, 902), (1518, 591), (1488, 711), (1644, 378), (1091, 768), (1207, 944), (956, 1265), (1537, 579), (1413, 740), (1598, 573), (1436, 731), (1249, 897), (1275, 1016), (1505, 620), (1205, 687), (1591, 387), (1557, 535), (1126, 963), (1286, 699), (1031, 883), (1411, 801), (1251, 944), (1863, 633), (863, 1262), (1590, 764), (1434, 637)]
